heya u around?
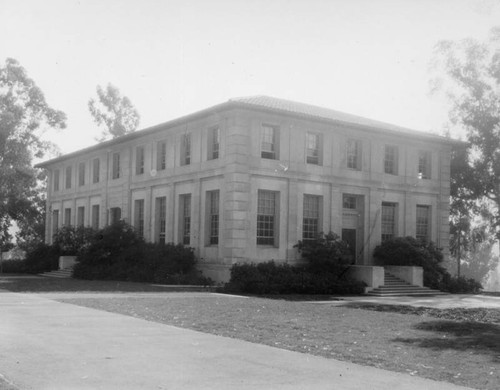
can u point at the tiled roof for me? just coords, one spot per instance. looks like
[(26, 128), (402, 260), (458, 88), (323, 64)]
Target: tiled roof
[(307, 110)]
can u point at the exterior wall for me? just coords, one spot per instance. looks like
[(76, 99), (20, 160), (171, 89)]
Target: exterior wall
[(239, 173)]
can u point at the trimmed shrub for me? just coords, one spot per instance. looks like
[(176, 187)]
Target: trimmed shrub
[(41, 258), (272, 278), (71, 240), (13, 266), (408, 251), (325, 253), (460, 285), (118, 253)]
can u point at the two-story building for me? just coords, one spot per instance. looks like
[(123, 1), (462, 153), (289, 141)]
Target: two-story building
[(245, 180)]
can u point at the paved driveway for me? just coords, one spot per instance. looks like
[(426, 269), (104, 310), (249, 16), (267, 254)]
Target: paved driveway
[(48, 345)]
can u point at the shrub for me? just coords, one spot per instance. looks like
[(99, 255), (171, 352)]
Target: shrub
[(118, 253), (13, 266), (325, 253), (460, 285), (71, 240), (408, 251), (272, 278), (41, 258)]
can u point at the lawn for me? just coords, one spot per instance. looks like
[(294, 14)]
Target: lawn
[(456, 345)]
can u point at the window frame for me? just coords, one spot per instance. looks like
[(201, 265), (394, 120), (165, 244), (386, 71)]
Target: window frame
[(186, 149), (391, 159), (161, 155), (388, 221), (140, 157), (96, 218), (96, 170), (139, 220), (80, 216), (424, 166), (354, 151), (115, 166), (56, 177), (311, 216), (81, 174), (313, 154), (267, 233), (185, 219), (269, 139), (161, 219), (427, 223), (213, 143), (212, 217), (68, 177)]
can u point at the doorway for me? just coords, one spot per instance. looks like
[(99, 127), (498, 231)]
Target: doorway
[(349, 236)]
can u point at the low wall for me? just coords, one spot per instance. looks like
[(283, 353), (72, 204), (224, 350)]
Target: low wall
[(66, 262), (412, 275), (372, 276)]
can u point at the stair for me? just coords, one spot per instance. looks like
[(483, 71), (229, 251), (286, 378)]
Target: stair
[(394, 287), (61, 273)]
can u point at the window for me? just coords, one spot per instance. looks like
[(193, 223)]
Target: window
[(56, 180), (95, 170), (161, 219), (116, 166), (115, 215), (213, 143), (313, 149), (269, 142), (391, 160), (95, 216), (139, 160), (349, 201), (67, 217), (185, 219), (55, 221), (80, 216), (423, 226), (424, 164), (161, 156), (353, 154), (186, 149), (139, 216), (81, 174), (311, 219), (388, 220), (69, 171), (213, 217), (267, 218)]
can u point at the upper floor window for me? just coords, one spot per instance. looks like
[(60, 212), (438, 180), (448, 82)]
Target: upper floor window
[(313, 155), (391, 160), (81, 174), (161, 156), (96, 167), (186, 149), (213, 143), (388, 220), (269, 139), (423, 223), (69, 171), (267, 216), (353, 151), (311, 217), (55, 176), (139, 160), (116, 166), (424, 164)]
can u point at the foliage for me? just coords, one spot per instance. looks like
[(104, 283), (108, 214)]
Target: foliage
[(41, 258), (408, 251), (24, 116), (113, 112), (117, 252), (71, 240), (325, 252), (13, 266), (272, 278), (460, 285)]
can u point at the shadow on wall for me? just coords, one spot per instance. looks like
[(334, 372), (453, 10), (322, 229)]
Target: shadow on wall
[(462, 336)]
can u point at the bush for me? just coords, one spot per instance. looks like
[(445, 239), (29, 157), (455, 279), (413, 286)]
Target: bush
[(118, 253), (460, 285), (408, 251), (325, 253), (13, 266), (71, 240), (272, 278), (41, 258)]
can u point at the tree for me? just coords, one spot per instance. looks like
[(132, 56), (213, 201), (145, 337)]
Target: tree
[(472, 82), (113, 112), (24, 116)]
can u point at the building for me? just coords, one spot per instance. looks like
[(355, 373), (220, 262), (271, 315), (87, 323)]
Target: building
[(245, 180)]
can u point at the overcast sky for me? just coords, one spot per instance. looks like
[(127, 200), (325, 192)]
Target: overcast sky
[(171, 58)]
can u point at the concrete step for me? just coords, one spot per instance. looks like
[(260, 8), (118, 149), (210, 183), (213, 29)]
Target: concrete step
[(394, 286), (61, 273)]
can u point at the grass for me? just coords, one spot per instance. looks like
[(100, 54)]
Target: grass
[(456, 345)]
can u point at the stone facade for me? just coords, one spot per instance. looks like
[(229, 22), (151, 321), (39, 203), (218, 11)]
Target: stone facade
[(245, 180)]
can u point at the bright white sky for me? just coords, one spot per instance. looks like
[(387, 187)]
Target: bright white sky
[(174, 57)]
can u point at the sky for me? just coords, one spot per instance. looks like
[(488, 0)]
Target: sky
[(171, 58)]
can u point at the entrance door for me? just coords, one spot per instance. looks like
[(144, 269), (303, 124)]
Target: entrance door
[(349, 236)]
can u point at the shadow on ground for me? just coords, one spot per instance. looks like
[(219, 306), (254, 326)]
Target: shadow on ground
[(461, 336)]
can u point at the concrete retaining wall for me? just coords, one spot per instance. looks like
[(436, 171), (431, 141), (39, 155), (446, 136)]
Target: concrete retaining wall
[(66, 262), (412, 275), (372, 276)]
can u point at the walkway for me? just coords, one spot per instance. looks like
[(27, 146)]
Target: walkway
[(50, 345)]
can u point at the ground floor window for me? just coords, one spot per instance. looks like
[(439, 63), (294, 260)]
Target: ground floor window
[(388, 221), (161, 219), (311, 217), (55, 221), (95, 217), (267, 218), (115, 215), (423, 223), (213, 217), (80, 216), (185, 218), (139, 216), (67, 217)]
